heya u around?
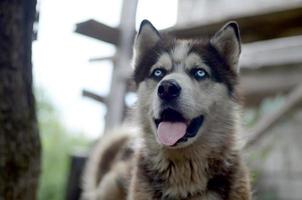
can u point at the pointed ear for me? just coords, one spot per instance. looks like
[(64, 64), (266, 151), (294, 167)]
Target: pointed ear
[(227, 42), (146, 38)]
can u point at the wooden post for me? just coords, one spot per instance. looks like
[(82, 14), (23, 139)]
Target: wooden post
[(122, 65), (74, 183)]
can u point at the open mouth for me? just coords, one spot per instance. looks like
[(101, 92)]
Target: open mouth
[(173, 128)]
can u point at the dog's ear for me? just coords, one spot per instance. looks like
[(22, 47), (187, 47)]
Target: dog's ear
[(146, 38), (228, 44)]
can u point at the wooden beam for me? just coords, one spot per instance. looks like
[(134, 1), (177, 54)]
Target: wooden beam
[(96, 97), (270, 68), (292, 101), (259, 84), (260, 26), (263, 26), (98, 30), (277, 52), (106, 58)]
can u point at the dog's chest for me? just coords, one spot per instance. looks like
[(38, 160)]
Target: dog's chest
[(182, 179)]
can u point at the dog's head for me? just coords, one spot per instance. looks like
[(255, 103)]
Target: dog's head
[(186, 88)]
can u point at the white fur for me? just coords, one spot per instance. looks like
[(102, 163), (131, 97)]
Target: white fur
[(180, 52)]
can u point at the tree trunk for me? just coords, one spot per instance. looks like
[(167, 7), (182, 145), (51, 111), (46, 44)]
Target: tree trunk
[(19, 138)]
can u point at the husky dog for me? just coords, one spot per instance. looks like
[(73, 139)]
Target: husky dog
[(188, 110)]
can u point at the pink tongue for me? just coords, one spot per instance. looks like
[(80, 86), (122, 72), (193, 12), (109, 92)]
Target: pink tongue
[(170, 132)]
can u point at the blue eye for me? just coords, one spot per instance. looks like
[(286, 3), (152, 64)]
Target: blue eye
[(199, 74), (158, 73)]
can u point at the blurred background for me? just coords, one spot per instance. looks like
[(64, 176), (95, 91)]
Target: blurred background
[(81, 69)]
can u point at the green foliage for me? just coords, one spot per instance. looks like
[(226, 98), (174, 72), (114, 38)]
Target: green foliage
[(57, 144), (268, 105)]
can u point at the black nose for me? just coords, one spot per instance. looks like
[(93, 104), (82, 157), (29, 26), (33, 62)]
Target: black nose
[(168, 90)]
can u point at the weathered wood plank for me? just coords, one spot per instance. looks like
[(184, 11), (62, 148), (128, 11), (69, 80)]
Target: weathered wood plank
[(270, 67), (96, 97), (105, 58), (277, 52), (98, 30), (261, 26)]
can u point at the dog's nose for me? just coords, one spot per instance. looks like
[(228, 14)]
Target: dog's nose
[(168, 90)]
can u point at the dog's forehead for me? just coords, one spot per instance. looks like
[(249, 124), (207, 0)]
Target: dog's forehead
[(180, 51), (179, 54)]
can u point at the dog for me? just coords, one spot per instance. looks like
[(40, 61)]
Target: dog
[(185, 145)]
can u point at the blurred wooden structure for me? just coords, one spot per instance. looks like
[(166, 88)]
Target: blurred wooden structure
[(271, 23), (261, 75), (271, 64), (122, 38)]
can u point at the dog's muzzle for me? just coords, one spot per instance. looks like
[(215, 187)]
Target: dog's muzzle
[(168, 90), (173, 128)]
